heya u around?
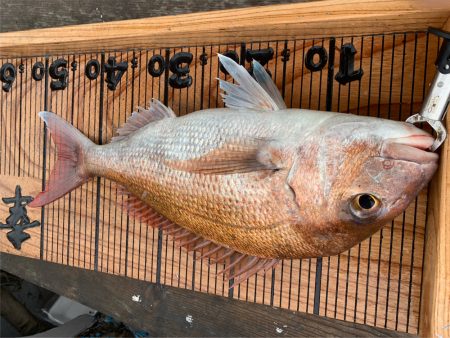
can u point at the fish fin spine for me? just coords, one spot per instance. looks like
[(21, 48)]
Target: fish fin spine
[(238, 267), (143, 116), (263, 78), (260, 93), (68, 172), (141, 211)]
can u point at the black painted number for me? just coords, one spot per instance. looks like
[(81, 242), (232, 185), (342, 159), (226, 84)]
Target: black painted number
[(92, 69), (347, 72), (156, 66), (322, 55), (263, 56), (7, 76), (58, 72), (233, 56), (180, 77), (37, 72), (114, 72)]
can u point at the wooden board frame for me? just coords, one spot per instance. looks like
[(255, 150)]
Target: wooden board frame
[(349, 17), (168, 311), (435, 310), (291, 21)]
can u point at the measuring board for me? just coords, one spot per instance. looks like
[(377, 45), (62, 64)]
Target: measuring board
[(378, 282)]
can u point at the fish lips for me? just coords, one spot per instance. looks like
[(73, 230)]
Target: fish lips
[(412, 149)]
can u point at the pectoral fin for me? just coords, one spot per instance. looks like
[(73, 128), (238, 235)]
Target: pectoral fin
[(234, 159)]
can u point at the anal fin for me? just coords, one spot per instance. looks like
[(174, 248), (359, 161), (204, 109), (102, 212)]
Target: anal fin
[(142, 212), (237, 266)]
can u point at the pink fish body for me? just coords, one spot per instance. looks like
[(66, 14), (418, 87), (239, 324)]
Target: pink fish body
[(253, 183)]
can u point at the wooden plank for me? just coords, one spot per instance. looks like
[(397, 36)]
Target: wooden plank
[(435, 309), (8, 184), (62, 13), (168, 311), (377, 283), (329, 18), (435, 313)]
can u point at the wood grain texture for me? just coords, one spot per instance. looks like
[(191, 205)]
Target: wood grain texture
[(58, 13), (168, 311), (377, 282), (304, 20), (31, 246), (435, 309)]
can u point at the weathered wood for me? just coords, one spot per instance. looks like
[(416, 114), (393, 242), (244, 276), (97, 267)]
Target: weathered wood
[(327, 18), (435, 309), (371, 283), (62, 13), (168, 311), (377, 282)]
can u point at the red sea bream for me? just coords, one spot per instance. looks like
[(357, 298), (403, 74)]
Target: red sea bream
[(253, 183)]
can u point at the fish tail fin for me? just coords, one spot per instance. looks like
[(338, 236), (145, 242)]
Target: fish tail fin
[(68, 172)]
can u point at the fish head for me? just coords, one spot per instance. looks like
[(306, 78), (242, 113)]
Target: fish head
[(366, 171)]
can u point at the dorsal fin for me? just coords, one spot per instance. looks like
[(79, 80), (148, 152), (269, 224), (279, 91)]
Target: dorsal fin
[(237, 266), (249, 93), (156, 111), (266, 82)]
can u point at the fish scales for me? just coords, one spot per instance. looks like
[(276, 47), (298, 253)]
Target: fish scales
[(255, 182), (236, 210)]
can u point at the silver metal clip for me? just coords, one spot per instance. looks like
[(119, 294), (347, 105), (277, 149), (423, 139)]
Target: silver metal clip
[(434, 108), (436, 103)]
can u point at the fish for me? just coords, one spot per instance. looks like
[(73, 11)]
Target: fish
[(253, 183)]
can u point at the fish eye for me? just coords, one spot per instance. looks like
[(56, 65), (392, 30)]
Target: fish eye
[(366, 201), (365, 205)]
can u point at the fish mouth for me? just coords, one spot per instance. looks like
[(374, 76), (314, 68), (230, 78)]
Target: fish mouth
[(412, 148)]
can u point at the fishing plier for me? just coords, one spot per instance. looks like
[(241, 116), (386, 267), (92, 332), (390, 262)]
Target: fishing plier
[(436, 102)]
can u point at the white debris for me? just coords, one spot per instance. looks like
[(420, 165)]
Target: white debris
[(190, 319), (279, 330), (136, 298)]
